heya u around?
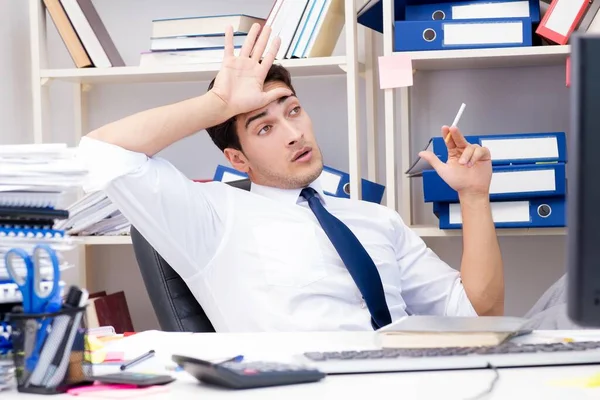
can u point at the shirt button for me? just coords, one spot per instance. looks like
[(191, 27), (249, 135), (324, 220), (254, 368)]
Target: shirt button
[(363, 304)]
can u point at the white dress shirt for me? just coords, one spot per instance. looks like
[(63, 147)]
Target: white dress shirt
[(259, 260)]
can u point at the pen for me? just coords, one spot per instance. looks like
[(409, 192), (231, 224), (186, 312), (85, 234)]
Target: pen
[(455, 123), (137, 360), (232, 359)]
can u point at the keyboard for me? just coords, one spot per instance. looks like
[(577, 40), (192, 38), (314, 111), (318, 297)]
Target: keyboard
[(508, 354)]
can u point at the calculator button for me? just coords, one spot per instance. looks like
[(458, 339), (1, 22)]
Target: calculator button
[(250, 371)]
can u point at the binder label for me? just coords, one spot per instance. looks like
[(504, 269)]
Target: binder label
[(483, 33), (506, 211), (512, 9), (523, 148), (543, 180)]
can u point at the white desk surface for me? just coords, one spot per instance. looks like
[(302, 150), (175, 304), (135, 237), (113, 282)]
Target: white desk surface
[(517, 383)]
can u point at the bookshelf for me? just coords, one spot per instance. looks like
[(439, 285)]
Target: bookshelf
[(398, 186)]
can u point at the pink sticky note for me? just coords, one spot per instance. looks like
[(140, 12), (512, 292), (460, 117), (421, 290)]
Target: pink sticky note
[(395, 71)]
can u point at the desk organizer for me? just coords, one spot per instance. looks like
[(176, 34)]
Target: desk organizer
[(49, 350)]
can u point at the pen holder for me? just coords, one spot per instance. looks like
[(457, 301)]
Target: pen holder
[(49, 350)]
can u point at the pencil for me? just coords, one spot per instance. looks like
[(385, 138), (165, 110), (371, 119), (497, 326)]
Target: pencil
[(456, 119)]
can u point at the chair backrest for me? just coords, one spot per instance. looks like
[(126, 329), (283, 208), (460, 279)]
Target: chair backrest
[(175, 306)]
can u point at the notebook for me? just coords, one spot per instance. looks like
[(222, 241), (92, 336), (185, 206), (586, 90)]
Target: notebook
[(440, 331)]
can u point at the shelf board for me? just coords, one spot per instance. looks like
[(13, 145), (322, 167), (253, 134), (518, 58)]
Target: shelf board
[(104, 240), (317, 66), (421, 230), (489, 58), (433, 231)]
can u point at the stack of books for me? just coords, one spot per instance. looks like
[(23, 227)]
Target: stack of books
[(446, 25), (528, 187), (195, 40), (95, 215), (307, 28)]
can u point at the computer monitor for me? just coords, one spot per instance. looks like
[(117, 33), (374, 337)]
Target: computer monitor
[(583, 183)]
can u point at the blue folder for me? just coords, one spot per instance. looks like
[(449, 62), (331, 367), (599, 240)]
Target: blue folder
[(373, 16), (438, 11), (526, 148), (371, 191), (436, 190), (228, 174), (549, 212), (442, 35)]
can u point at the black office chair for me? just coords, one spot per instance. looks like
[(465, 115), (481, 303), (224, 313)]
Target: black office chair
[(175, 306)]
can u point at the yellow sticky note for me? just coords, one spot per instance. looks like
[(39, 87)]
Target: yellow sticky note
[(395, 71), (592, 381), (93, 343)]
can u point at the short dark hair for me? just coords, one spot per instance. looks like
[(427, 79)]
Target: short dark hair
[(225, 134)]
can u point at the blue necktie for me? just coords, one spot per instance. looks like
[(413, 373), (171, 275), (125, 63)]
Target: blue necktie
[(358, 262)]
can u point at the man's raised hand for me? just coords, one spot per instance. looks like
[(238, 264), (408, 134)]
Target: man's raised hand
[(239, 83)]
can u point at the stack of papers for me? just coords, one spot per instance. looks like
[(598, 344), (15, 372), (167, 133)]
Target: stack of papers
[(95, 214), (41, 167), (36, 181)]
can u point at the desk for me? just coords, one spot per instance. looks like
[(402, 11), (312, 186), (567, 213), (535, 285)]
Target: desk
[(518, 383)]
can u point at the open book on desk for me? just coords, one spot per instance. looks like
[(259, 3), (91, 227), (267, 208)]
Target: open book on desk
[(440, 331)]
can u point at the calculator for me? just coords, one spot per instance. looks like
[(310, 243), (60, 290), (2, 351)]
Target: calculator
[(134, 378), (245, 375)]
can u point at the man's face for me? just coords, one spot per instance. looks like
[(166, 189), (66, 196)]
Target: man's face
[(279, 147)]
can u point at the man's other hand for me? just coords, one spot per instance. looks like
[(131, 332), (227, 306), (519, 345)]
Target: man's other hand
[(469, 166)]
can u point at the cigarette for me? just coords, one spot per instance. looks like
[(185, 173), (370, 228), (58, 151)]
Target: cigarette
[(455, 123)]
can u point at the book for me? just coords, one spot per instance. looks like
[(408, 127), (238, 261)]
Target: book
[(424, 331), (184, 57), (93, 33), (194, 42), (67, 33), (208, 25)]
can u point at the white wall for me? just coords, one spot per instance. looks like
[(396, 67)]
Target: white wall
[(531, 263)]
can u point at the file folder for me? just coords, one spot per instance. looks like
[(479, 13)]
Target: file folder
[(227, 174), (508, 182), (466, 34), (533, 213), (505, 149), (335, 183), (561, 20), (475, 9), (370, 14)]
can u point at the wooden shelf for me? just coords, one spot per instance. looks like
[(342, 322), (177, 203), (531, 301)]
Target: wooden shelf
[(104, 240), (489, 58), (318, 66), (433, 231)]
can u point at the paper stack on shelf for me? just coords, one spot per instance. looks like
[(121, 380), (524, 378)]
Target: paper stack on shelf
[(36, 181), (95, 214)]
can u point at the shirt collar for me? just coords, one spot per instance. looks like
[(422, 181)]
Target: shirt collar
[(290, 196)]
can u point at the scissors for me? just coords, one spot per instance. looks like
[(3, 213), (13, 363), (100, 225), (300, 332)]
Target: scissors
[(35, 299)]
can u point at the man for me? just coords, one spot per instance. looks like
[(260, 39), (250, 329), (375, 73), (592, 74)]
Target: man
[(284, 256)]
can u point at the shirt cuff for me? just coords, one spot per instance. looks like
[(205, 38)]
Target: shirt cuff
[(106, 162), (459, 304)]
